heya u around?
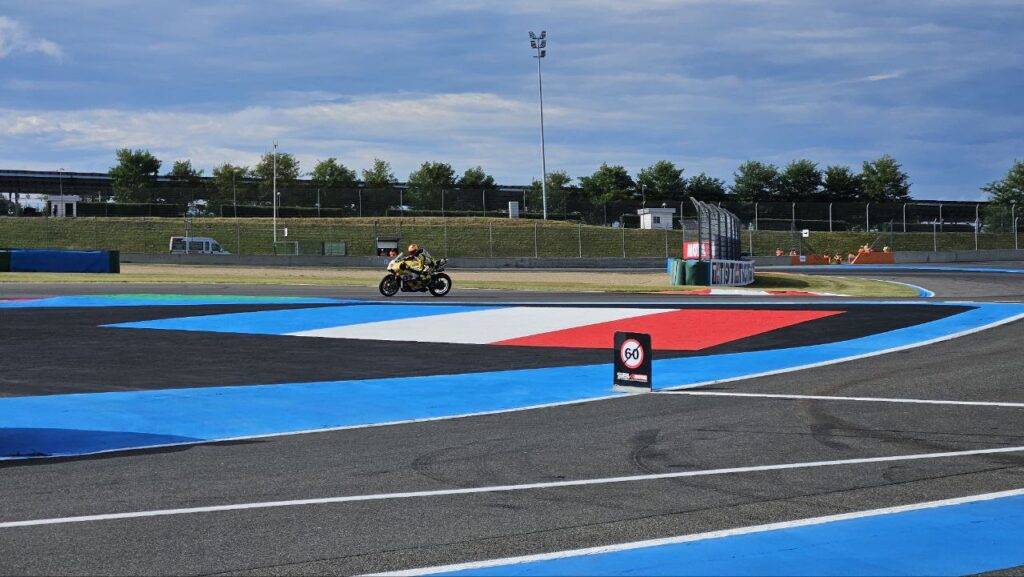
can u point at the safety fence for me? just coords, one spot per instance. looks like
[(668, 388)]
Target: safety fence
[(460, 237), (304, 199)]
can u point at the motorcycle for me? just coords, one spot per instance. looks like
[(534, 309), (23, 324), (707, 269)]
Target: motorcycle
[(400, 278)]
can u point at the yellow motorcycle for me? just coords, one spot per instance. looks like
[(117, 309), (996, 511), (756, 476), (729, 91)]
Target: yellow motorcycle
[(401, 278)]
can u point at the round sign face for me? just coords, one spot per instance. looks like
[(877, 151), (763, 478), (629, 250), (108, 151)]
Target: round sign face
[(631, 353)]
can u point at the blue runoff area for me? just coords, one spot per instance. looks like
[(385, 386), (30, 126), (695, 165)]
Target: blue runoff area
[(954, 539), (138, 419)]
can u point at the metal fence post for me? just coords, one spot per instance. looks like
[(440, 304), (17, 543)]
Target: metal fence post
[(536, 250), (867, 217), (445, 237), (1013, 217), (756, 225), (666, 243), (622, 228), (579, 238), (940, 216), (360, 191), (792, 217), (830, 217), (490, 239), (750, 236), (935, 237), (977, 225), (483, 200), (904, 217)]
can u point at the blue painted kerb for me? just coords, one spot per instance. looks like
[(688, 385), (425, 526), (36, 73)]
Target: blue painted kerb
[(125, 419)]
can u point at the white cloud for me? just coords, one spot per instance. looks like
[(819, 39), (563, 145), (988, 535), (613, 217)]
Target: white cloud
[(15, 37), (884, 76)]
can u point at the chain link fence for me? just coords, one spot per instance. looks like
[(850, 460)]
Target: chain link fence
[(468, 237)]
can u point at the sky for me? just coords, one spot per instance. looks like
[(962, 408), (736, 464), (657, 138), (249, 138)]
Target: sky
[(707, 84)]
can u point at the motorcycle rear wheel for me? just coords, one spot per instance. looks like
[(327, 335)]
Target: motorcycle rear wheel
[(440, 285), (390, 285)]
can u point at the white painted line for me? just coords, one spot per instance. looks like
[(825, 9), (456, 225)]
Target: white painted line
[(483, 326), (504, 488), (921, 291), (321, 430), (705, 536), (836, 361), (861, 399), (576, 401)]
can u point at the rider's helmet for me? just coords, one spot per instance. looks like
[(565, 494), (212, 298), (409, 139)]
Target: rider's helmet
[(414, 249)]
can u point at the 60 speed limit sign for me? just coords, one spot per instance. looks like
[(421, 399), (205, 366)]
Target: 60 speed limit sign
[(631, 352), (632, 370)]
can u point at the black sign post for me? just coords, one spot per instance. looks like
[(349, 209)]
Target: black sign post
[(632, 363)]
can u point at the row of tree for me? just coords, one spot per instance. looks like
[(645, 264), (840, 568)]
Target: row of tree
[(879, 180)]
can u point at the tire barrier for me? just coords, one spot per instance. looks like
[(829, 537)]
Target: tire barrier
[(53, 260)]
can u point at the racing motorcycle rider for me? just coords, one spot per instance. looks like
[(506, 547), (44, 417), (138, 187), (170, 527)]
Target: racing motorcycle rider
[(415, 261)]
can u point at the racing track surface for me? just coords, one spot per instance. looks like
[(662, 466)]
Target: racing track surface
[(627, 436)]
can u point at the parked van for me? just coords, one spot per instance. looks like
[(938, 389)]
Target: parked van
[(195, 245)]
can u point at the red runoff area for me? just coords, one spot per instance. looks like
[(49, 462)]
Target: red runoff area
[(682, 330)]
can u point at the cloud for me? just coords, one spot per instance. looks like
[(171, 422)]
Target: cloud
[(14, 38), (465, 128), (884, 76)]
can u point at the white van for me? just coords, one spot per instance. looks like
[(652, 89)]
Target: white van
[(195, 245)]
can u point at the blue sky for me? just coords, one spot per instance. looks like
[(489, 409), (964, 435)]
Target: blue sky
[(706, 84)]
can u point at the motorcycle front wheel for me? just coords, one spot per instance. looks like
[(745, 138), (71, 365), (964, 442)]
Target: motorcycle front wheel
[(389, 285), (440, 285)]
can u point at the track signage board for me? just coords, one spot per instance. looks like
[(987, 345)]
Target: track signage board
[(632, 366)]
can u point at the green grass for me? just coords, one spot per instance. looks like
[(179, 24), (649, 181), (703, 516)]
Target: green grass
[(844, 285), (516, 280)]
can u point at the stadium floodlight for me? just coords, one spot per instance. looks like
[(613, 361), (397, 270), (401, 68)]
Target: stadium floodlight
[(539, 43)]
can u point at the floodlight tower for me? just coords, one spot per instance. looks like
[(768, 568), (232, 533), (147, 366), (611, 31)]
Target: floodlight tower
[(539, 43)]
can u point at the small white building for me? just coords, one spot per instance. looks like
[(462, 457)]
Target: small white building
[(656, 218), (62, 204)]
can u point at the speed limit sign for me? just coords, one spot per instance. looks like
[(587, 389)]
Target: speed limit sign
[(632, 369), (631, 352)]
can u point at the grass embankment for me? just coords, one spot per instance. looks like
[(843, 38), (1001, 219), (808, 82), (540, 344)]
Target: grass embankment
[(454, 237), (527, 280)]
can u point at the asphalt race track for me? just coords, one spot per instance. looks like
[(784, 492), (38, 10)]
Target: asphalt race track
[(325, 433)]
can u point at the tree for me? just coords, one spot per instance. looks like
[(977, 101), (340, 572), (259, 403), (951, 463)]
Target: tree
[(134, 176), (1004, 193), (756, 181), (559, 187), (660, 183), (230, 183), (428, 184), (704, 187), (287, 174), (800, 181), (379, 175), (477, 179), (608, 184), (841, 185), (187, 181), (330, 176), (1010, 188), (884, 180)]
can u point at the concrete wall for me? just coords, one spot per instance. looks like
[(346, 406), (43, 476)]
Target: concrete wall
[(380, 262)]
